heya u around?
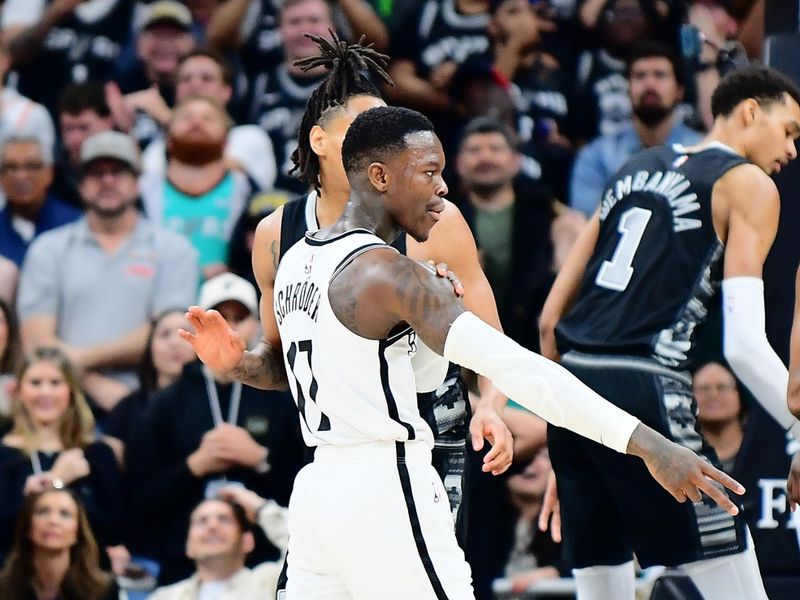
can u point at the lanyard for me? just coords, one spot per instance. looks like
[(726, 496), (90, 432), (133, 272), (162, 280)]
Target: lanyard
[(213, 400), (36, 464)]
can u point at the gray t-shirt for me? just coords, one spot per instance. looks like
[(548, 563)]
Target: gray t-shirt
[(97, 297)]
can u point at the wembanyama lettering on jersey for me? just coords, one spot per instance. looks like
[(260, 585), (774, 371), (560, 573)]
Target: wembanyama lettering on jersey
[(657, 267), (349, 389)]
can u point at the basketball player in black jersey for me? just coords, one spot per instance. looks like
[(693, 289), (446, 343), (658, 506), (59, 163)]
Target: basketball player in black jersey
[(675, 226), (341, 96), (394, 162)]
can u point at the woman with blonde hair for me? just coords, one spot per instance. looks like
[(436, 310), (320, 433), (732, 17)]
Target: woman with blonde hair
[(54, 555), (52, 444)]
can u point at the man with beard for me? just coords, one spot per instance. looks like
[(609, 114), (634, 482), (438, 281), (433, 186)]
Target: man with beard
[(92, 286), (200, 197), (513, 237), (655, 87)]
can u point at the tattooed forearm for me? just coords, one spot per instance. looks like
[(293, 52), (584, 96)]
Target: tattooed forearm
[(261, 368)]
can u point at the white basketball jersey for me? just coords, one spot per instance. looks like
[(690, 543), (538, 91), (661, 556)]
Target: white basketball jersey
[(349, 389)]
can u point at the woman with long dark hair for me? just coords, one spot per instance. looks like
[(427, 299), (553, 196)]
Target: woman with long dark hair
[(54, 556)]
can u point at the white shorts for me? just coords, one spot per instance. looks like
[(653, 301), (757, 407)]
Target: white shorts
[(365, 524)]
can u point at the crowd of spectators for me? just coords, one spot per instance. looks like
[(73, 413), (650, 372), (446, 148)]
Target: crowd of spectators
[(140, 145)]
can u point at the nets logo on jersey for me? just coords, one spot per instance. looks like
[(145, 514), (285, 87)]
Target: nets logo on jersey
[(309, 264)]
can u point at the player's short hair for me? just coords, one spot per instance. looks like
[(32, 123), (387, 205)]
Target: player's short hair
[(379, 132), (483, 125), (213, 55), (763, 84), (78, 97), (652, 49)]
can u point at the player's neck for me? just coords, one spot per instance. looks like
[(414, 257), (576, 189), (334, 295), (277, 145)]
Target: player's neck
[(369, 214), (725, 134), (331, 200), (219, 568)]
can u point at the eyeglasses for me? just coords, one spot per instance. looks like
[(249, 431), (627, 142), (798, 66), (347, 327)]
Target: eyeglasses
[(27, 167), (719, 388)]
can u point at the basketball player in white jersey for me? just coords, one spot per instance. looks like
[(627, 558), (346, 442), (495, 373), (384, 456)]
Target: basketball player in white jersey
[(369, 517)]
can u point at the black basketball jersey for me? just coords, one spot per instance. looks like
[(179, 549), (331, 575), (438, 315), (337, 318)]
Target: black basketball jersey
[(75, 51), (657, 267), (277, 105), (436, 33), (262, 50)]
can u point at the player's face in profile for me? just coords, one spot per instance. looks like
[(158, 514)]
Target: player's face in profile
[(775, 129), (414, 197), (335, 128)]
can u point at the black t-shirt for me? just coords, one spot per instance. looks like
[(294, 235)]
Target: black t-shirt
[(436, 33), (262, 50), (277, 104), (75, 51)]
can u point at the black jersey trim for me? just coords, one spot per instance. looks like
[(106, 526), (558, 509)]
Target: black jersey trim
[(391, 403), (399, 335), (312, 241), (416, 526)]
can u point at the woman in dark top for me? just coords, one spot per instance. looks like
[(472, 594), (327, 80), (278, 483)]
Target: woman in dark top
[(54, 556), (164, 357), (52, 445)]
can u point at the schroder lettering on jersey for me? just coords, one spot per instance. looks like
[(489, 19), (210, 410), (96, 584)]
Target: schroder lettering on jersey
[(299, 295)]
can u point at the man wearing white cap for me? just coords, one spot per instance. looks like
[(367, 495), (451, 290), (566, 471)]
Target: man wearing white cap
[(93, 286), (206, 432)]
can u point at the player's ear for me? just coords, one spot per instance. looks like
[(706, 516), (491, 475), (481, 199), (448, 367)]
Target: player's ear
[(750, 109), (318, 140), (378, 176)]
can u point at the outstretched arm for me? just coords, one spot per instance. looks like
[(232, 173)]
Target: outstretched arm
[(381, 289), (221, 348)]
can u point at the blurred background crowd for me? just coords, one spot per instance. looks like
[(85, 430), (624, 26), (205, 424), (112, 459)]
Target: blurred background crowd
[(140, 145)]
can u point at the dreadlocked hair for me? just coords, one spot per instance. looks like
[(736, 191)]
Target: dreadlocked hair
[(347, 64)]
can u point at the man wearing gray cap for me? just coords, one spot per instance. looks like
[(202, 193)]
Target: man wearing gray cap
[(93, 286)]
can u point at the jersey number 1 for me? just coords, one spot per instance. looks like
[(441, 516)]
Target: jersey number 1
[(312, 387), (615, 274)]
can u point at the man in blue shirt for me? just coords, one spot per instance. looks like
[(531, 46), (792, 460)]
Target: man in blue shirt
[(26, 172), (655, 78)]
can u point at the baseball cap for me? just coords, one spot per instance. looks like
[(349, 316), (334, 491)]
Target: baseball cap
[(228, 286), (166, 11), (111, 144)]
